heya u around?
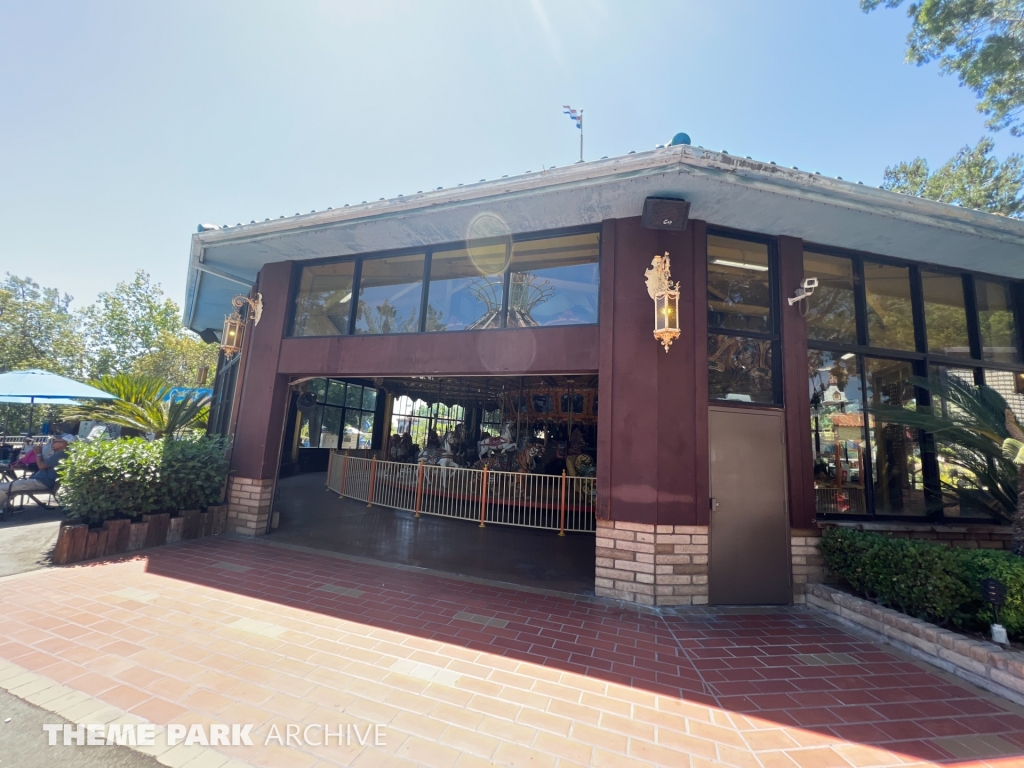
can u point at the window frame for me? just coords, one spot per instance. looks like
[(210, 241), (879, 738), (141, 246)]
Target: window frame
[(921, 359), (428, 252)]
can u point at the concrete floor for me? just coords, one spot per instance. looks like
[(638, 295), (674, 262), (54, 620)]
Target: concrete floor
[(312, 516), (27, 539)]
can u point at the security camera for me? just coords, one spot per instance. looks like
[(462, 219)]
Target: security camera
[(807, 286)]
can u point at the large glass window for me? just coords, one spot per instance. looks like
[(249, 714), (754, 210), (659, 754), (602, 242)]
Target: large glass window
[(426, 423), (739, 294), (324, 300), (831, 309), (740, 369), (466, 288), (554, 281), (389, 295), (890, 311), (343, 417), (895, 449), (838, 432), (945, 313), (996, 321)]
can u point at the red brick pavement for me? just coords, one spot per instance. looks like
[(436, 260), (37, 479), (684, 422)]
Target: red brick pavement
[(223, 630)]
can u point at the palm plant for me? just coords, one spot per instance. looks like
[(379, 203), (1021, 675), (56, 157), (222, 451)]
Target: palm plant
[(147, 404), (977, 434)]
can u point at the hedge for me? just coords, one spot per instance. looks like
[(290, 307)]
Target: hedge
[(929, 581), (107, 479)]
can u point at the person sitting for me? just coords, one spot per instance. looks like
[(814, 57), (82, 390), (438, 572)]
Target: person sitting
[(43, 480)]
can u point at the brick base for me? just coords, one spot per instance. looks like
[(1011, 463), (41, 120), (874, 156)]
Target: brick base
[(652, 564), (808, 563), (249, 505)]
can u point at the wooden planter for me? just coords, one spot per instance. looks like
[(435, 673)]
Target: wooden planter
[(192, 527), (156, 534), (174, 527)]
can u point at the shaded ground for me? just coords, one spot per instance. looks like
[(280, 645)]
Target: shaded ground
[(27, 539), (23, 742), (312, 516), (226, 630)]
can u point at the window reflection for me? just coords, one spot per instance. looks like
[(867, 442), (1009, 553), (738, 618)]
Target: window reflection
[(740, 369), (945, 313), (831, 309), (324, 300), (895, 450), (837, 429), (957, 465), (389, 295), (739, 295), (890, 316), (995, 316), (554, 281), (466, 288)]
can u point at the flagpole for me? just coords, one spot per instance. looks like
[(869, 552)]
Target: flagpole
[(581, 135)]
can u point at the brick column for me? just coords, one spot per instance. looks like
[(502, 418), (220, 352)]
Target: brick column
[(249, 505), (808, 564), (652, 564)]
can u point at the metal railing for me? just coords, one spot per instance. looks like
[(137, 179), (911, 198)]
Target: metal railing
[(840, 501), (554, 502)]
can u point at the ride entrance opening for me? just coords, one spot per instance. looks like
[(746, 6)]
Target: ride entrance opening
[(511, 450)]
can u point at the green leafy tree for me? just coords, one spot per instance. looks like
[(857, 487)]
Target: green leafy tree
[(971, 179), (38, 329), (177, 359), (143, 404), (981, 42), (127, 323)]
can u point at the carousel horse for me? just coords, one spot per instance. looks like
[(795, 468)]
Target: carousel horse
[(502, 444), (443, 457)]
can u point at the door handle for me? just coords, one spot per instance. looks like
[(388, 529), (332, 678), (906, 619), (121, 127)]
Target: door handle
[(713, 503)]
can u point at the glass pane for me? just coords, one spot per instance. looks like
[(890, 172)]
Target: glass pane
[(890, 317), (995, 315), (369, 399), (895, 451), (389, 295), (366, 430), (336, 392), (466, 288), (740, 369), (355, 396), (318, 386), (1009, 384), (554, 281), (837, 432), (944, 313), (831, 310), (324, 300), (962, 489), (739, 296), (350, 438), (330, 428)]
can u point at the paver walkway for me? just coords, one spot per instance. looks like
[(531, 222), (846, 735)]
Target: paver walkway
[(465, 674)]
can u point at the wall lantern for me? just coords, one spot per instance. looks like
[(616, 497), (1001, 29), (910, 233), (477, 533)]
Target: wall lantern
[(234, 325), (665, 294)]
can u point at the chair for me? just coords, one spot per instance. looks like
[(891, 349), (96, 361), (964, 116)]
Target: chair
[(36, 495)]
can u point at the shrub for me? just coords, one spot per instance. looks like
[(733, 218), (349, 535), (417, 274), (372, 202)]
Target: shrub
[(126, 478), (928, 581)]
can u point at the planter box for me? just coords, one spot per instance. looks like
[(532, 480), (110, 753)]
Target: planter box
[(95, 543), (118, 532), (137, 536), (985, 664), (174, 527), (71, 542), (219, 522), (156, 534), (191, 526), (205, 523)]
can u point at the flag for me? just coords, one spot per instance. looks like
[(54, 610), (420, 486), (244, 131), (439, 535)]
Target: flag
[(575, 116)]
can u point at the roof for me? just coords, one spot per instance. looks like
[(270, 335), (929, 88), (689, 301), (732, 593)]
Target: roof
[(723, 189)]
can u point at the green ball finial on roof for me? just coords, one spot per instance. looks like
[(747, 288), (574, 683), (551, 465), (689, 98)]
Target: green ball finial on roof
[(680, 138)]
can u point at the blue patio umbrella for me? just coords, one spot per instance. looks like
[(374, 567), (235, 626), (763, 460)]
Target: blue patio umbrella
[(26, 387)]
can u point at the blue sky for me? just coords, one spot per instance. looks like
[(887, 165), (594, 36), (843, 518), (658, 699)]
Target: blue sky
[(123, 124)]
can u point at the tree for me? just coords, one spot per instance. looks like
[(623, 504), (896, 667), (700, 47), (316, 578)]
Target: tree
[(37, 328), (146, 404), (126, 324), (177, 359), (971, 179), (979, 41)]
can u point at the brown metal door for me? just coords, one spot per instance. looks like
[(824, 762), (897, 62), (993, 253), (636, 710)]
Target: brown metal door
[(749, 544)]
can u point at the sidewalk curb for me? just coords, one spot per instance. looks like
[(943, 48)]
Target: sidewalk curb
[(80, 708)]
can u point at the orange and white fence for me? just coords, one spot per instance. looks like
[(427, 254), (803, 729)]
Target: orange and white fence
[(559, 503)]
